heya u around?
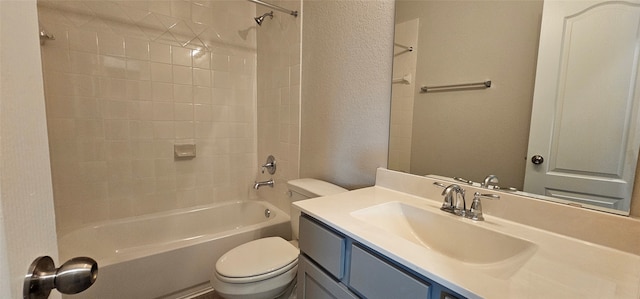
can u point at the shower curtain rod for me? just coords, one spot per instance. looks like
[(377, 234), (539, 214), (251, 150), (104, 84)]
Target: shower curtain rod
[(294, 13)]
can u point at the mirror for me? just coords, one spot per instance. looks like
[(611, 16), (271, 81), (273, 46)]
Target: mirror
[(472, 131)]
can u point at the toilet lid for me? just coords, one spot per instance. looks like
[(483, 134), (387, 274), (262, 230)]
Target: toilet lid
[(256, 258)]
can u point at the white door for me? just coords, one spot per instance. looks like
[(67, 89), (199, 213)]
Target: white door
[(584, 120), (27, 221)]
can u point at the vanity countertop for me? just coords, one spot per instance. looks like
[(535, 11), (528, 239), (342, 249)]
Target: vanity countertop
[(559, 267)]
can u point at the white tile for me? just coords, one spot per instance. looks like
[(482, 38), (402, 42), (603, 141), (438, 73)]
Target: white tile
[(183, 111), (159, 52), (203, 112), (146, 110), (113, 67), (143, 149), (86, 107), (163, 129), (115, 110), (221, 79), (201, 77), (201, 14), (138, 70), (143, 168), (181, 56), (181, 9), (161, 92), (184, 129), (164, 167), (160, 7), (120, 169), (183, 93), (161, 72), (60, 106), (116, 129), (55, 59), (162, 111), (201, 58), (82, 40), (141, 129), (136, 48), (118, 150), (182, 74), (219, 62), (143, 91), (88, 129), (110, 44), (163, 149), (202, 95)]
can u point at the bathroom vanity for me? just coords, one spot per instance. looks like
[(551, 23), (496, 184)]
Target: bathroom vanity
[(392, 241), (332, 265)]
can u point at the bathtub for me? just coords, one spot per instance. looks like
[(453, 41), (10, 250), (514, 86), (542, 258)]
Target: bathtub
[(169, 253)]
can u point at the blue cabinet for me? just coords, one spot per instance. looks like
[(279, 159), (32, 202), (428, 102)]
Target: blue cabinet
[(333, 265)]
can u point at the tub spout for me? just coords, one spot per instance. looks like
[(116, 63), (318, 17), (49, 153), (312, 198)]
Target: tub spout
[(257, 185)]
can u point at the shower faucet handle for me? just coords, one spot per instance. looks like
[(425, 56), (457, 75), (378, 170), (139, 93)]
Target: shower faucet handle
[(270, 166)]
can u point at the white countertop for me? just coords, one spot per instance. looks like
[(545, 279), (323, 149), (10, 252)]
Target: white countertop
[(560, 267)]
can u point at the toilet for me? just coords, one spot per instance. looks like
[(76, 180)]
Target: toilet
[(266, 268)]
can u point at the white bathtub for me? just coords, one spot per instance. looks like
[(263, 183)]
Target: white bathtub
[(162, 254)]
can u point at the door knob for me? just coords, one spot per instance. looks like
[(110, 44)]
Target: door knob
[(74, 276), (537, 159)]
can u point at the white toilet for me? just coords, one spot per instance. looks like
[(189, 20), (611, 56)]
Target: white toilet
[(266, 268)]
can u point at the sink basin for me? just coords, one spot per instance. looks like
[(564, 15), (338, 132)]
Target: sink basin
[(455, 237)]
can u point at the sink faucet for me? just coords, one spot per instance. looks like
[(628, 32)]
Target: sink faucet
[(451, 202), (492, 178), (475, 211), (257, 185)]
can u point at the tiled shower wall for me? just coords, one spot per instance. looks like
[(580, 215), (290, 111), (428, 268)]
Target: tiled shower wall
[(125, 81), (278, 84)]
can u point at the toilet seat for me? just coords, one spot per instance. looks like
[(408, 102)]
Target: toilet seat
[(257, 260)]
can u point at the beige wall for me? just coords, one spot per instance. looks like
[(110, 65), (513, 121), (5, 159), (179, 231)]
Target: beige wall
[(475, 132), (346, 69)]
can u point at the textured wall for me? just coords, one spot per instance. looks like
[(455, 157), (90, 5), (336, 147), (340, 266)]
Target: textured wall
[(347, 48), (26, 200)]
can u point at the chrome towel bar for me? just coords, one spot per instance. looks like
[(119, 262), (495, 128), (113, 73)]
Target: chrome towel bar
[(485, 84)]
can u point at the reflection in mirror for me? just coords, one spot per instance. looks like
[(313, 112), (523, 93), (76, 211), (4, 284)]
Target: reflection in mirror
[(472, 133)]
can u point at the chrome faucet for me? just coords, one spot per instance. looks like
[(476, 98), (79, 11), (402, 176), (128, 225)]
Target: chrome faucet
[(475, 211), (454, 205), (492, 178), (451, 202), (257, 184)]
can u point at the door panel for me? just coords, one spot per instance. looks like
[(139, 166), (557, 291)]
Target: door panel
[(584, 116)]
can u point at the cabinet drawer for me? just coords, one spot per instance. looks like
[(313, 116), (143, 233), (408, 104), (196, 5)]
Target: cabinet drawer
[(374, 278), (313, 283), (323, 246)]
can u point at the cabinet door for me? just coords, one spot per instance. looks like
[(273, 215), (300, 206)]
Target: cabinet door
[(313, 283), (323, 246), (375, 279)]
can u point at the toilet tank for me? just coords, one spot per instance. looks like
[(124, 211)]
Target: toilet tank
[(301, 189)]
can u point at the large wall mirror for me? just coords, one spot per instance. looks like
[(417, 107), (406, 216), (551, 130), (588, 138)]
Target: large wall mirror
[(559, 118)]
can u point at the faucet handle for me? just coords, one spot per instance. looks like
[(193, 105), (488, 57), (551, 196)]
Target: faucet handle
[(488, 180), (441, 185), (270, 166), (463, 180), (475, 211)]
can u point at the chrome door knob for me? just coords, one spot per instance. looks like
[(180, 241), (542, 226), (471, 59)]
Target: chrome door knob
[(537, 159)]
